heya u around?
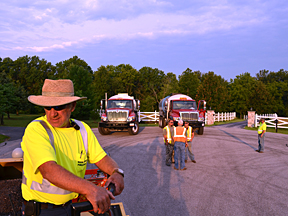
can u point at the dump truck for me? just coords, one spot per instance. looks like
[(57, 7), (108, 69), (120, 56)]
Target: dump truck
[(120, 114), (180, 106)]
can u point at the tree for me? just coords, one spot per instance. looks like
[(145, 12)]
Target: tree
[(240, 90), (214, 90), (151, 82), (170, 85), (189, 82)]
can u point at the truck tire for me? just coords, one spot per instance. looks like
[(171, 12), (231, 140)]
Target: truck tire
[(201, 130), (134, 130), (161, 122), (103, 131), (164, 123)]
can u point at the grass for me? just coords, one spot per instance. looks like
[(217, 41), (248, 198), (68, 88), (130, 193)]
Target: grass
[(21, 120), (225, 122), (3, 138), (269, 129)]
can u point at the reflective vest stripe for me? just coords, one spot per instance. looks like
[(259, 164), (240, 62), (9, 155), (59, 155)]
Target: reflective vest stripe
[(46, 186), (179, 134), (189, 133), (169, 139), (48, 130), (83, 134)]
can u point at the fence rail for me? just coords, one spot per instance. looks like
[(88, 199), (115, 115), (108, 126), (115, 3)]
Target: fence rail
[(227, 116), (270, 120), (148, 116)]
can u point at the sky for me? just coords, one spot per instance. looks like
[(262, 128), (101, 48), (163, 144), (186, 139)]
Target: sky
[(226, 37)]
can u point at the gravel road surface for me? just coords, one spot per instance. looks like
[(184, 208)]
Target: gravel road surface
[(229, 178)]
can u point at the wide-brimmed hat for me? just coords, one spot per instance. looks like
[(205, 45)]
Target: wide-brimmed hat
[(55, 93)]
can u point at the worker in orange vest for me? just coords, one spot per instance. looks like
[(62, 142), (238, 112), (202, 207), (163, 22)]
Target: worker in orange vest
[(180, 140)]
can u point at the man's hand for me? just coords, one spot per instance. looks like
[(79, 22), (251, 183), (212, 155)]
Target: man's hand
[(186, 144), (99, 197), (118, 180)]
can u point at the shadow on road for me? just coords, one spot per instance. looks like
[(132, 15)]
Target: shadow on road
[(238, 139)]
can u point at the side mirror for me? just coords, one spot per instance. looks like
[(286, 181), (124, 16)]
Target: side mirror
[(204, 105), (138, 103), (166, 103), (101, 104)]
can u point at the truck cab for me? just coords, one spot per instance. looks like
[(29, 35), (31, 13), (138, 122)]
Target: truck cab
[(120, 114), (183, 107)]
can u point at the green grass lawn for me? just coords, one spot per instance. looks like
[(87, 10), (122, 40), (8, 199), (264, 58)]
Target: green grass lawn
[(3, 138), (226, 122), (21, 120), (269, 129)]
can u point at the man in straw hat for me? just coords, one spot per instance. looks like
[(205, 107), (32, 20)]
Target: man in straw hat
[(56, 151), (261, 135)]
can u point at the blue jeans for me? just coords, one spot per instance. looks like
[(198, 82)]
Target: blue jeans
[(189, 152), (179, 154), (261, 142)]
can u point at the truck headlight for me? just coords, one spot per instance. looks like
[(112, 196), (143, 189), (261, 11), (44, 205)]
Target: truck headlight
[(131, 118), (104, 118), (176, 118), (201, 119)]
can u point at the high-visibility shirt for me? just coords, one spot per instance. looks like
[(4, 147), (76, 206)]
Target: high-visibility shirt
[(189, 133), (262, 127), (180, 134), (68, 150), (168, 134)]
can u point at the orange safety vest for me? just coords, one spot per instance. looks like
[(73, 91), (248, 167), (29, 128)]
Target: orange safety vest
[(179, 134)]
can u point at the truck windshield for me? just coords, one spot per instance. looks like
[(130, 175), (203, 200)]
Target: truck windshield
[(119, 104), (184, 105)]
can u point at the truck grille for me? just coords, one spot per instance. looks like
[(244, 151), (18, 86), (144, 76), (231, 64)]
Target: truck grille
[(193, 116), (119, 115)]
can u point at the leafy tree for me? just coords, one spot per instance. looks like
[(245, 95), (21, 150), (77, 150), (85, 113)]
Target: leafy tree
[(61, 70), (240, 90), (170, 85), (151, 82), (214, 90), (189, 82)]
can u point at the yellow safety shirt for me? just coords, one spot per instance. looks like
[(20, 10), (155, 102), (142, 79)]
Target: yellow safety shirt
[(189, 134), (68, 152), (168, 134), (262, 127)]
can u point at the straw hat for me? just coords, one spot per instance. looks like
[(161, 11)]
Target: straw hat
[(55, 93)]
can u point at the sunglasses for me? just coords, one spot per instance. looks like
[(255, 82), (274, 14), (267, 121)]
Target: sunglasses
[(57, 108)]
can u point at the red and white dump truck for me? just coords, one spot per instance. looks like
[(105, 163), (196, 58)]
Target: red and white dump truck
[(179, 106), (120, 114)]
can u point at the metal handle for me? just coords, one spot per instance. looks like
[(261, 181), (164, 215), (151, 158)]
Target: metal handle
[(77, 208)]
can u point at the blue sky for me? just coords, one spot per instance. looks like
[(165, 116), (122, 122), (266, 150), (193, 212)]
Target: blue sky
[(227, 37)]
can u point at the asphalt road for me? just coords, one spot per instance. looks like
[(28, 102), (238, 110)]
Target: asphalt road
[(229, 178)]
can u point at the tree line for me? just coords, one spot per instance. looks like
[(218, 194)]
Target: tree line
[(265, 93)]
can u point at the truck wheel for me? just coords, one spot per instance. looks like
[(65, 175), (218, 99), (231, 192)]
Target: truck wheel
[(164, 123), (201, 130), (134, 130), (103, 131), (161, 122)]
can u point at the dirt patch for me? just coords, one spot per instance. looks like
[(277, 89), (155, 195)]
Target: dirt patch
[(11, 197)]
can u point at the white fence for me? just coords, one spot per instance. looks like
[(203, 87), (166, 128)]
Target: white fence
[(227, 116), (148, 116), (270, 120)]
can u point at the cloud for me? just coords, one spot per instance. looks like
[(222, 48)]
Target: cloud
[(63, 24)]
